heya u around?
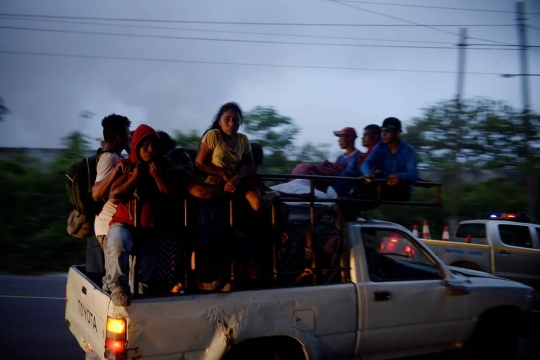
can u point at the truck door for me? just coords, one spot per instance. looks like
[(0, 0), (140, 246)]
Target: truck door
[(406, 305), (516, 255)]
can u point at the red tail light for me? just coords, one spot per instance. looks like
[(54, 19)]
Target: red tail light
[(116, 346), (115, 341)]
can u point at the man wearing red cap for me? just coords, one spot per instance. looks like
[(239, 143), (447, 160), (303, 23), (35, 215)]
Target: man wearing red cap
[(349, 160)]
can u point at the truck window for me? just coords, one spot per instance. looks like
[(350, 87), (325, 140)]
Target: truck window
[(392, 256), (478, 232), (515, 235)]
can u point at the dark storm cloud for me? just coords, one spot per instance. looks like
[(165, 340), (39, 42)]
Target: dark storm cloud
[(46, 94)]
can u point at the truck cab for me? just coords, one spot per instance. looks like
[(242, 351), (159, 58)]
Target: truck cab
[(509, 249)]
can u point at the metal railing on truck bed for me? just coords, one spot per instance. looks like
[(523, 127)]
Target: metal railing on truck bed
[(378, 183), (314, 206)]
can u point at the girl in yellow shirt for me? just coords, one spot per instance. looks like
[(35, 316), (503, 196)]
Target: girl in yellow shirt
[(221, 148)]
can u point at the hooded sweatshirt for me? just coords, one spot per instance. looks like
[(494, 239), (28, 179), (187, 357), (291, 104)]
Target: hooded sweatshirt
[(143, 210)]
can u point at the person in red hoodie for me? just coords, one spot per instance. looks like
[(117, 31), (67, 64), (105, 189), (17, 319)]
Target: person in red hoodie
[(141, 189)]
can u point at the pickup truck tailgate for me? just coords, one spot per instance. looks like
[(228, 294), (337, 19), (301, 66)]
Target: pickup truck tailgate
[(85, 306)]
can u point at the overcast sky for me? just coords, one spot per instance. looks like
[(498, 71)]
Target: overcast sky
[(45, 94)]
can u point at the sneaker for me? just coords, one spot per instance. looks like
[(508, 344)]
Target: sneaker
[(226, 287), (208, 286), (177, 289), (143, 288), (120, 298)]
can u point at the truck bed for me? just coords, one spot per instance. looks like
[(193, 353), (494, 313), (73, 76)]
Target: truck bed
[(210, 323)]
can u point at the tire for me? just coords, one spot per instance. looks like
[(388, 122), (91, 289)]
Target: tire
[(281, 353), (270, 349), (496, 337)]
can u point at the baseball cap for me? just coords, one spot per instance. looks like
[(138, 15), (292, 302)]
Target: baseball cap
[(349, 131), (391, 123)]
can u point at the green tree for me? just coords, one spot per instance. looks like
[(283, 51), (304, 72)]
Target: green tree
[(86, 114), (190, 139), (482, 134), (276, 133), (75, 148), (34, 210), (312, 153), (487, 135), (3, 109), (273, 131)]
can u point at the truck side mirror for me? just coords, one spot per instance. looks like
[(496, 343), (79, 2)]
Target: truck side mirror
[(456, 287)]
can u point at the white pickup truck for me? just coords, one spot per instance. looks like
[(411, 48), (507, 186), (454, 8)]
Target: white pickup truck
[(503, 248), (391, 297)]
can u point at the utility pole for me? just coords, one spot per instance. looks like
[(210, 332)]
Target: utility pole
[(523, 57), (457, 126), (461, 64), (530, 174)]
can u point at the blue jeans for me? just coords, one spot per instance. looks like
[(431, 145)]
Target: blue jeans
[(119, 245)]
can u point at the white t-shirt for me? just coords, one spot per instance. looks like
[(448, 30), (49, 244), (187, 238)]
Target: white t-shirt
[(104, 167)]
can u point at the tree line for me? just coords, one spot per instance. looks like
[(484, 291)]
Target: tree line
[(451, 142)]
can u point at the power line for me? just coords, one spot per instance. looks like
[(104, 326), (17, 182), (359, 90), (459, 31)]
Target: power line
[(514, 45), (249, 32), (103, 57), (235, 40), (412, 23), (242, 23), (232, 32), (393, 17), (436, 7)]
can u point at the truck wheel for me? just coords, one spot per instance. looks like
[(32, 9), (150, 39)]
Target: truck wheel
[(496, 337), (282, 353), (287, 349)]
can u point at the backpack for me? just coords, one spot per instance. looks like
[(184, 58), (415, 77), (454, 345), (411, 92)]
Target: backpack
[(79, 181)]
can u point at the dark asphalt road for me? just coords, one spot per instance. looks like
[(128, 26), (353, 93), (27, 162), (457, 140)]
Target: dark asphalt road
[(32, 322), (32, 318)]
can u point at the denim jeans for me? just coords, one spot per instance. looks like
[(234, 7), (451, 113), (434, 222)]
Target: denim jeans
[(119, 245)]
